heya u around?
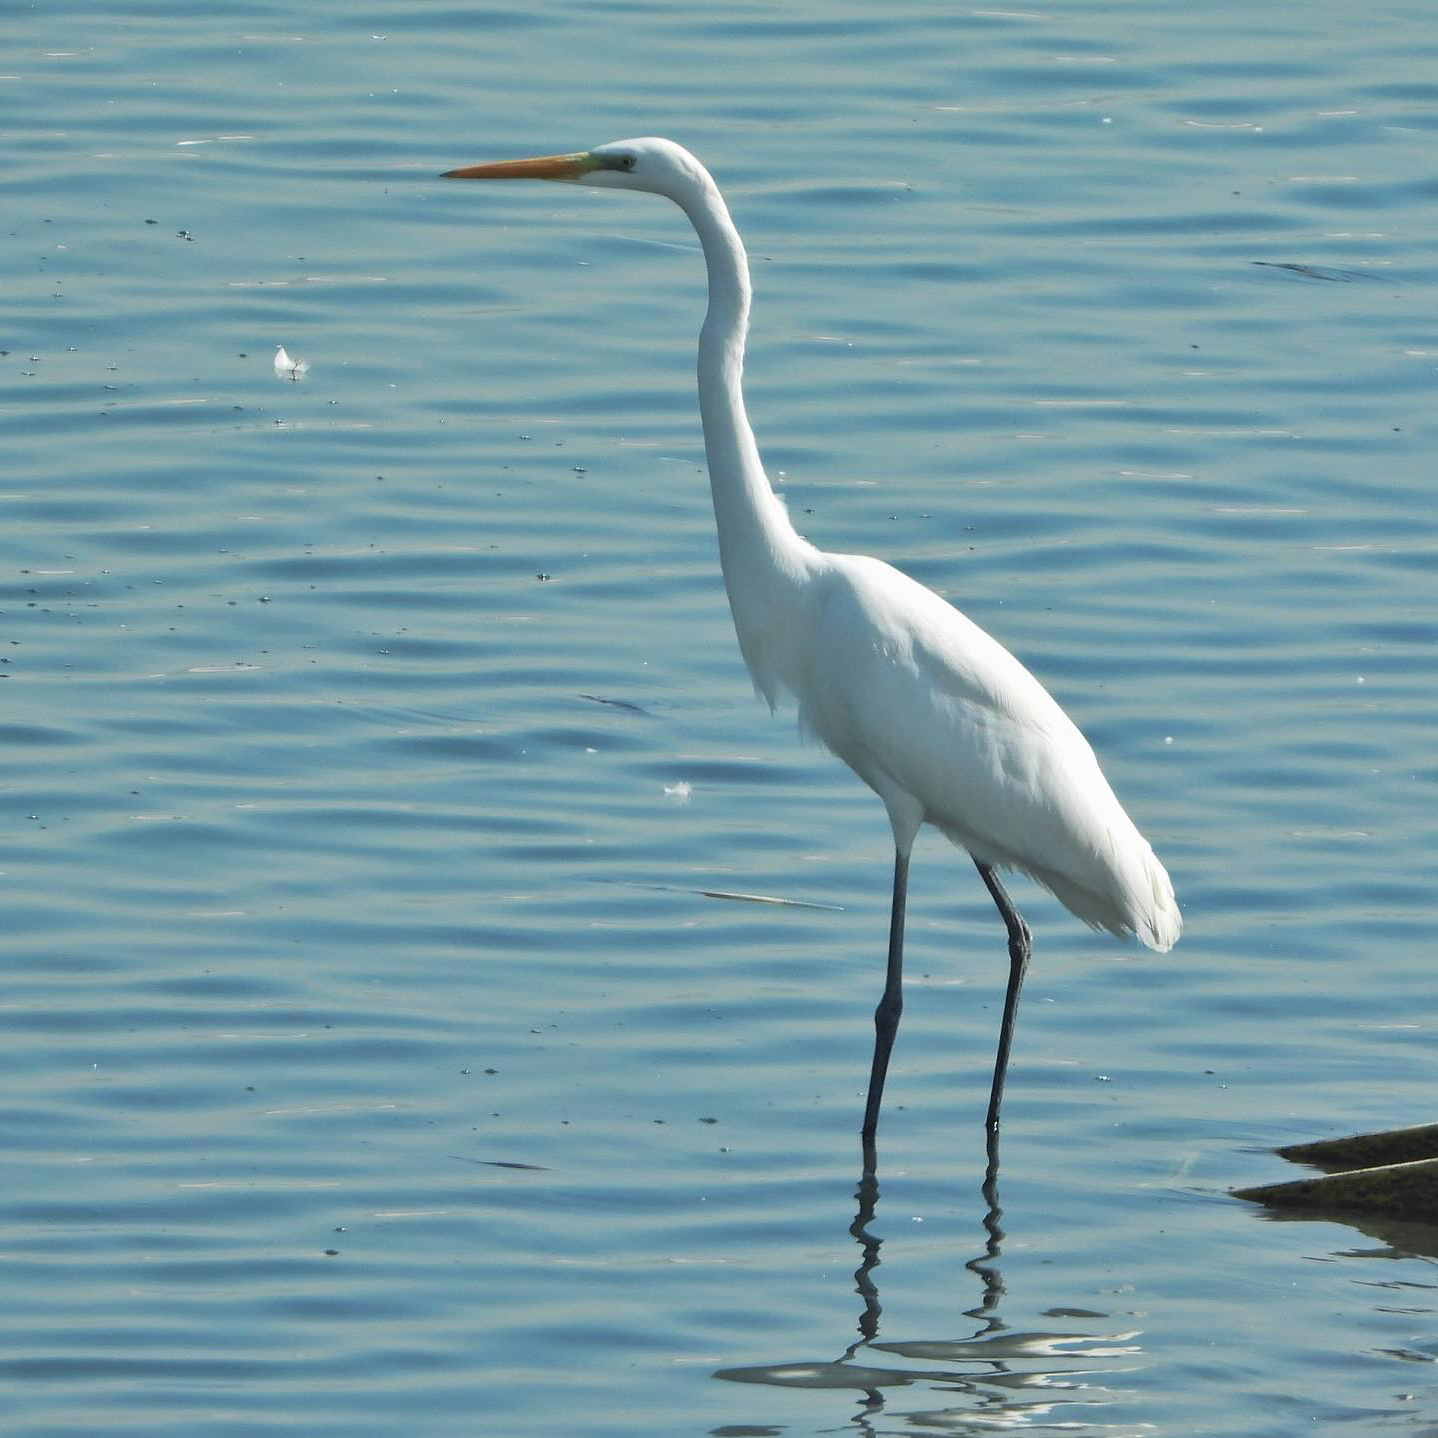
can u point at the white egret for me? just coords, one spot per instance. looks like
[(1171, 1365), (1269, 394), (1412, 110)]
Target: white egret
[(933, 714)]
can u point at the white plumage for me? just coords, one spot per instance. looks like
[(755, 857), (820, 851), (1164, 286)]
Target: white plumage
[(948, 728), (931, 712)]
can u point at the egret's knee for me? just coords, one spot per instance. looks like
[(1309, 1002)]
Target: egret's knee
[(886, 1016)]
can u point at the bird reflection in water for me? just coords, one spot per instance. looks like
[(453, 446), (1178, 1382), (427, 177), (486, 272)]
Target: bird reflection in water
[(994, 1371)]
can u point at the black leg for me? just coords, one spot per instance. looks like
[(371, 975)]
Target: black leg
[(886, 1016), (1020, 945)]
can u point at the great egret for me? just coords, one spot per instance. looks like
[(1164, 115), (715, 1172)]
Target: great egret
[(933, 714)]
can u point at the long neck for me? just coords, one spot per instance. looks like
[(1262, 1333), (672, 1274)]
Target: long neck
[(764, 560)]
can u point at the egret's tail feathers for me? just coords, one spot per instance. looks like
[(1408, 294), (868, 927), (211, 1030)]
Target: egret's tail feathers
[(1136, 900), (1157, 922)]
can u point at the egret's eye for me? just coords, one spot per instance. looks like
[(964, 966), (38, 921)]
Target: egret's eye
[(626, 162)]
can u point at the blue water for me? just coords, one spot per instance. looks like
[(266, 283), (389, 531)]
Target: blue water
[(377, 1057)]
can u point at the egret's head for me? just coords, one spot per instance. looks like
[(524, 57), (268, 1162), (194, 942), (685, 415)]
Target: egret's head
[(659, 166)]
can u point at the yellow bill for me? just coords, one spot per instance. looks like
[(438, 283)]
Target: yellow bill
[(542, 167)]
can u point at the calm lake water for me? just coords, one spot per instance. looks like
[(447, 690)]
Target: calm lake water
[(381, 1053)]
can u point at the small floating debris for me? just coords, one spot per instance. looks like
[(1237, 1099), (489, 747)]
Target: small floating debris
[(1316, 272), (1391, 1174), (729, 894), (287, 368), (500, 1163), (618, 704)]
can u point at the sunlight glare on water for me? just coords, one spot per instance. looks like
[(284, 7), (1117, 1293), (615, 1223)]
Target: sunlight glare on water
[(390, 1044)]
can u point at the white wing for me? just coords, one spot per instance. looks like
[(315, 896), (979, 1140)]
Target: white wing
[(950, 729)]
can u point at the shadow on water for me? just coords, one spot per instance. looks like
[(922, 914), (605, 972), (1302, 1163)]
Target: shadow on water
[(998, 1377)]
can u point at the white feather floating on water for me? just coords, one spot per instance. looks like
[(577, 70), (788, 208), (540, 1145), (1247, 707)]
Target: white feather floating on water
[(287, 368)]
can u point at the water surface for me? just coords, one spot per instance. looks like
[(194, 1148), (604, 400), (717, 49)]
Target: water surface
[(378, 1057)]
